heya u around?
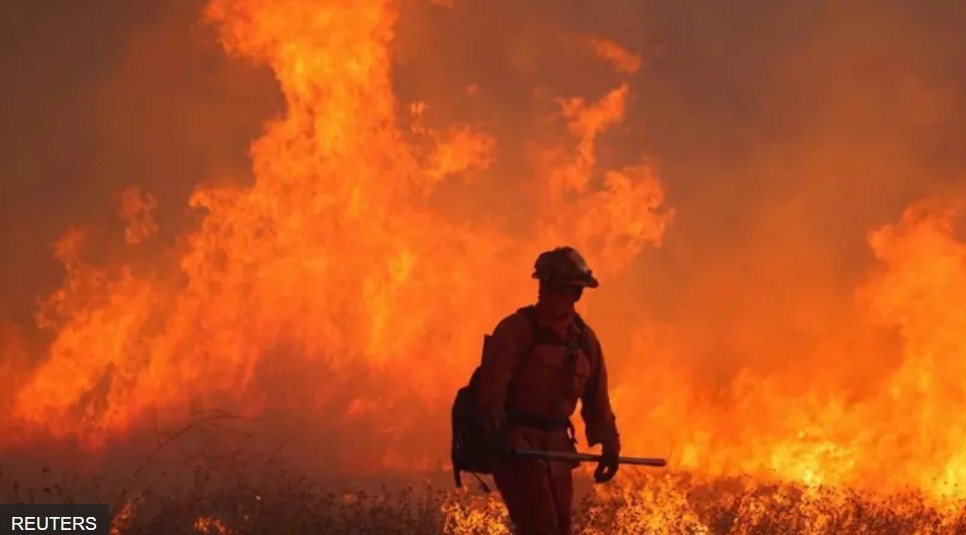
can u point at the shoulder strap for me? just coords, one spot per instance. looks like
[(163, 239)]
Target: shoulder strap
[(531, 314), (583, 332)]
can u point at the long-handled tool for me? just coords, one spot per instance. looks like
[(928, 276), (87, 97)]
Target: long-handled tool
[(587, 457)]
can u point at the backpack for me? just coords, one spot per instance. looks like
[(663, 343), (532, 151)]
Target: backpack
[(472, 446)]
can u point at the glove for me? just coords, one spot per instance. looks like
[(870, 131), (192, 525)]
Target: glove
[(607, 467)]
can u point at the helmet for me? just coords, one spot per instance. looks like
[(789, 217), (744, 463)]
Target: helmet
[(564, 265)]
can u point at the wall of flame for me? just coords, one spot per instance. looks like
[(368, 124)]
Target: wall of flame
[(392, 211)]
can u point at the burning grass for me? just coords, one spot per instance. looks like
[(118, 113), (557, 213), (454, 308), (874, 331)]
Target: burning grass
[(244, 500)]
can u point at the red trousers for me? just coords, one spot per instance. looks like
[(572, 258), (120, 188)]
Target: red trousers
[(538, 499)]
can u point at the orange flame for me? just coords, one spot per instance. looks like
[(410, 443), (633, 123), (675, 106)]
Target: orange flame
[(337, 284), (137, 209), (335, 257), (622, 60)]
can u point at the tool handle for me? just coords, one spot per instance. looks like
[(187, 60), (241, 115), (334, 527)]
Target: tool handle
[(588, 457)]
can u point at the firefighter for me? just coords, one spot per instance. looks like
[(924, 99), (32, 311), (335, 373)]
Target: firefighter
[(539, 362)]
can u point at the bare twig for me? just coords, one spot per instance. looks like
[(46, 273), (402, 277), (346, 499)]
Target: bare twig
[(118, 506)]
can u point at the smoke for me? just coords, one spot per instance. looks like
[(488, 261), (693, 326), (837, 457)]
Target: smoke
[(783, 133), (105, 97), (820, 126)]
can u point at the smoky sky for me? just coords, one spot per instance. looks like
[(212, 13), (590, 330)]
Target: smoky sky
[(782, 131), (99, 96)]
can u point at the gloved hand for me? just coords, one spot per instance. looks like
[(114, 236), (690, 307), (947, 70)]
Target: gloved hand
[(607, 467)]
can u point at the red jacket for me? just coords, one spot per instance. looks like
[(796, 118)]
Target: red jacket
[(546, 382)]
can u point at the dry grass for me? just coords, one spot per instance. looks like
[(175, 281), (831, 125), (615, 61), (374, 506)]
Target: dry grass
[(278, 501), (222, 490)]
